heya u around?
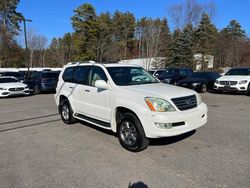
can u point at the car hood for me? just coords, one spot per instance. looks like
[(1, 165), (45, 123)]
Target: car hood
[(161, 90), (233, 78), (12, 85)]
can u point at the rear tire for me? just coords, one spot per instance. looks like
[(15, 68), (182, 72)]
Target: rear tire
[(66, 112), (130, 133), (203, 88)]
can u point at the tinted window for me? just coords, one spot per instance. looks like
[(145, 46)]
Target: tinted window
[(8, 80), (51, 75), (82, 73), (69, 74), (97, 74)]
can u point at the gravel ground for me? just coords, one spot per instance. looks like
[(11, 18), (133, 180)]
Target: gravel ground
[(38, 150)]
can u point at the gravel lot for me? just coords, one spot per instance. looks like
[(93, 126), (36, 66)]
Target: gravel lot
[(38, 150)]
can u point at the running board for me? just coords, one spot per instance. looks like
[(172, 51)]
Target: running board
[(93, 121)]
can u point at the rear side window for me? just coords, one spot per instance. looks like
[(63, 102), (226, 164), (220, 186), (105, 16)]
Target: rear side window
[(69, 74), (82, 75)]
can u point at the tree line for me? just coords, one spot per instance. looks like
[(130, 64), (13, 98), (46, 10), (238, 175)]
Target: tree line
[(112, 37)]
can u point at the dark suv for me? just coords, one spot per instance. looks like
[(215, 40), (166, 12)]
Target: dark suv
[(43, 81), (172, 75)]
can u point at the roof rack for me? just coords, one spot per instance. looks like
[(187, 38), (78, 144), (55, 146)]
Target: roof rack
[(78, 62)]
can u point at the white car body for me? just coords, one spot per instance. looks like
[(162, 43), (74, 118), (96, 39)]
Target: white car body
[(13, 88), (89, 104), (238, 83)]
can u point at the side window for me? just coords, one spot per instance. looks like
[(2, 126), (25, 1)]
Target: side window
[(97, 74), (82, 74), (69, 74)]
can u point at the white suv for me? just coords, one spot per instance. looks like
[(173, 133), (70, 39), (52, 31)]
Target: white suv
[(127, 100), (236, 79)]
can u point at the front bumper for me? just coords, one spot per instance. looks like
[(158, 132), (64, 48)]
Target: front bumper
[(231, 88), (193, 119), (7, 93)]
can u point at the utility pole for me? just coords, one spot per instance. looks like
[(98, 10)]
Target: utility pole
[(26, 44)]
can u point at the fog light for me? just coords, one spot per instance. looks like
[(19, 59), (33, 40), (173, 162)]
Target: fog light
[(164, 125)]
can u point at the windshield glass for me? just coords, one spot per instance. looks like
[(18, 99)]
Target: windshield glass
[(8, 80), (123, 76), (238, 72)]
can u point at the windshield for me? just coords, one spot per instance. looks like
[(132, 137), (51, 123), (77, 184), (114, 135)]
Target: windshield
[(238, 72), (8, 80), (123, 76)]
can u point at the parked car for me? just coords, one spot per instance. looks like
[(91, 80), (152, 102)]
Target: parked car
[(163, 76), (200, 81), (235, 80), (177, 74), (13, 74), (43, 81), (11, 86), (127, 100)]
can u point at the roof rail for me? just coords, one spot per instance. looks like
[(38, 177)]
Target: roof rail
[(78, 62)]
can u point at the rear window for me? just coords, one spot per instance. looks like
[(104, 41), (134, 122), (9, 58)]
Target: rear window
[(69, 74)]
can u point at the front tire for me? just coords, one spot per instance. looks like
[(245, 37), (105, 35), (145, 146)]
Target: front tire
[(131, 134), (66, 113)]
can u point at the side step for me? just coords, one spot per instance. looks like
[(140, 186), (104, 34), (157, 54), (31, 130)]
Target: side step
[(96, 122)]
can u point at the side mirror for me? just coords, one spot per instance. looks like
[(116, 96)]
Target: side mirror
[(101, 84)]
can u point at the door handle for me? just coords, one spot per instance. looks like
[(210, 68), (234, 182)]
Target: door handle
[(86, 90)]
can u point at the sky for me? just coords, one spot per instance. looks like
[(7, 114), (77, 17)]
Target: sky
[(51, 18)]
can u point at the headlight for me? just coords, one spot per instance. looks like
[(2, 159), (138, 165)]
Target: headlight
[(2, 88), (159, 105), (199, 100), (243, 82), (216, 81), (196, 84)]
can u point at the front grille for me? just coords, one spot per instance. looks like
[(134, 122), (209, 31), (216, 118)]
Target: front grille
[(228, 83), (185, 103), (16, 89)]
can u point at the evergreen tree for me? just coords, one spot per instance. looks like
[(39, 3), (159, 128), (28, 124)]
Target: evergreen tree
[(234, 30), (85, 24), (9, 27), (182, 48), (206, 36), (165, 40)]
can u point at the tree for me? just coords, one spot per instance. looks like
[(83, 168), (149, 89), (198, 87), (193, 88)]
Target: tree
[(104, 37), (123, 25), (85, 24), (183, 48), (205, 36), (8, 28), (189, 12)]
